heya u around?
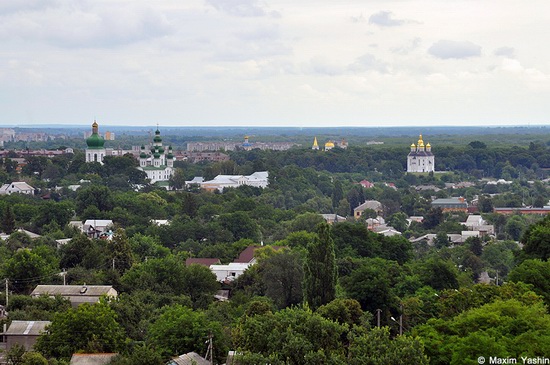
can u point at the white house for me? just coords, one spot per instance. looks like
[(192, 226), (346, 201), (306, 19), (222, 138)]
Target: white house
[(19, 187), (97, 228), (230, 271), (220, 182)]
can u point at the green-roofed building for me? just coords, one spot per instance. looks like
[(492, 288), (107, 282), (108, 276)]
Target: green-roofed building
[(157, 161), (95, 150)]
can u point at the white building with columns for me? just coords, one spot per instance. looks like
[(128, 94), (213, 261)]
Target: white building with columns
[(421, 158)]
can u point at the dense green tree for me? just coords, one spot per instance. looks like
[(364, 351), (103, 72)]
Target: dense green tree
[(7, 223), (179, 330), (376, 347), (337, 194), (371, 284), (139, 355), (320, 269), (398, 221), (290, 336), (343, 311), (33, 358), (15, 354), (514, 227), (96, 196), (120, 252), (25, 269), (536, 241), (433, 218), (163, 275), (536, 273), (282, 276), (504, 328), (475, 245), (200, 284), (438, 273), (95, 324), (499, 256)]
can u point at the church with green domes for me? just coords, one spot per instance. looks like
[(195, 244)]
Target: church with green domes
[(157, 161), (95, 150)]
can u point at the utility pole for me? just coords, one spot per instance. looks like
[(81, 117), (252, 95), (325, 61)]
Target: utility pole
[(378, 311), (210, 349), (7, 302)]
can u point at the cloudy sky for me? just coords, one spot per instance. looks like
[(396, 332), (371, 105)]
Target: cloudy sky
[(275, 63)]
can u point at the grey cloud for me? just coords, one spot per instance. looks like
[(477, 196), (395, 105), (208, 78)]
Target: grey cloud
[(368, 62), (385, 19), (446, 49), (14, 6), (506, 52), (86, 25), (242, 8)]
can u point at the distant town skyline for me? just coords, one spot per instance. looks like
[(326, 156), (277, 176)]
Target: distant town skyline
[(256, 63)]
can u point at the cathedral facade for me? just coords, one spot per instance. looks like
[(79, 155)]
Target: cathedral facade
[(421, 158), (158, 162)]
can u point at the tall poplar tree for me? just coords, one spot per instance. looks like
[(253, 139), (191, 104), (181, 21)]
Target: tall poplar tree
[(8, 221), (320, 269)]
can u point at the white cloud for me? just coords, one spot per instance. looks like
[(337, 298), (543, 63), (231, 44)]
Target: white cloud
[(446, 49), (509, 52), (242, 8), (368, 62), (386, 19)]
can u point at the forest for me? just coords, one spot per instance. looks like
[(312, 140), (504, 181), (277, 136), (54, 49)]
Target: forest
[(319, 293)]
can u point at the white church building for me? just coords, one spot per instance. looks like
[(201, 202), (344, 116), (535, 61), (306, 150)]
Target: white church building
[(421, 158), (158, 162)]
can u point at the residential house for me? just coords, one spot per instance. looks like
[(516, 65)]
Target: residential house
[(387, 231), (236, 268), (333, 218), (190, 358), (98, 228), (366, 184), (24, 333), (475, 222), (458, 204), (230, 271), (77, 294), (19, 187), (369, 204)]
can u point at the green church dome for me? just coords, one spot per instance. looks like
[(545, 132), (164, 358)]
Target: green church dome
[(95, 141)]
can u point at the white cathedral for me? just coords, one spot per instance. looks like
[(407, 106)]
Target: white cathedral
[(421, 158), (158, 164)]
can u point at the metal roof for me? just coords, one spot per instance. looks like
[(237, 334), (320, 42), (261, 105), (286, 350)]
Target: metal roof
[(31, 328), (73, 290), (92, 359)]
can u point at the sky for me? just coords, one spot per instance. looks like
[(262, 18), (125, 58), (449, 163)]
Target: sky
[(299, 63)]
